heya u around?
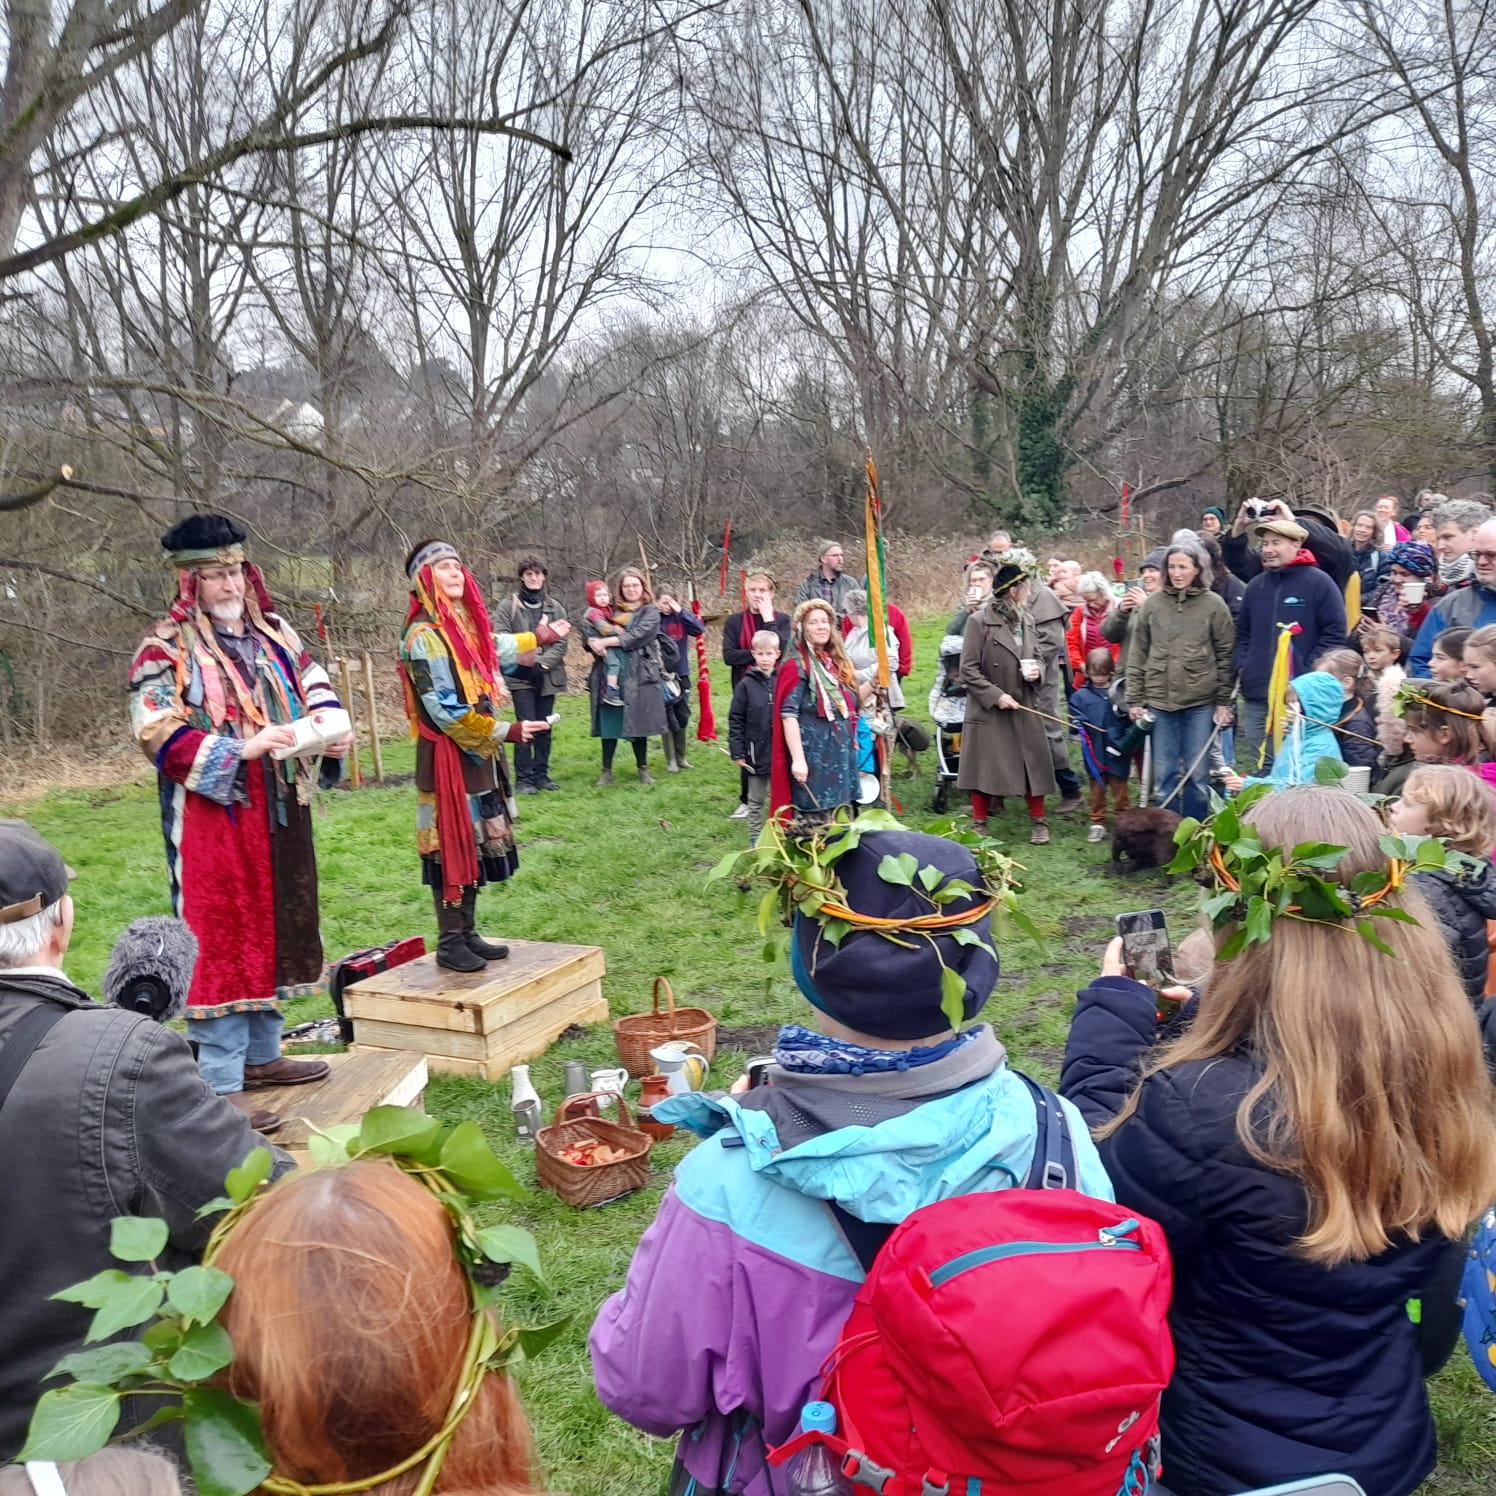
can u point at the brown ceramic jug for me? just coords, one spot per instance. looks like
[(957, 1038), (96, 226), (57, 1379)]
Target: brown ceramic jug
[(655, 1088)]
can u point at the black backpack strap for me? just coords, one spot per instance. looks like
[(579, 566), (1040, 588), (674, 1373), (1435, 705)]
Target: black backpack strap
[(865, 1238), (25, 1038), (1054, 1166)]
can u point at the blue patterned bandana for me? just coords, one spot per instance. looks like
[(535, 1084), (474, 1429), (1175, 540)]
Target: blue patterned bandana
[(806, 1052)]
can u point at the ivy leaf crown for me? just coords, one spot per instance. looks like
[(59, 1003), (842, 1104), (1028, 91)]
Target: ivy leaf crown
[(800, 871), (179, 1357), (1252, 886)]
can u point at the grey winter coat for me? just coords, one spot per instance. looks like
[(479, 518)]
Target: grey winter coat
[(109, 1117), (1003, 752), (1179, 655), (643, 694), (512, 616)]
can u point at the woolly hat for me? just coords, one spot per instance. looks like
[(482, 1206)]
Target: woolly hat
[(1216, 510), (204, 540), (1154, 560), (871, 984), (1413, 556)]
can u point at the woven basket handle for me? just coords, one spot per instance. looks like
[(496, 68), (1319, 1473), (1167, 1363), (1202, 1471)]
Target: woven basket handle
[(571, 1101), (669, 998)]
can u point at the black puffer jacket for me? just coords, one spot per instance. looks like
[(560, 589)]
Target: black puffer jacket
[(1284, 1368), (1462, 900)]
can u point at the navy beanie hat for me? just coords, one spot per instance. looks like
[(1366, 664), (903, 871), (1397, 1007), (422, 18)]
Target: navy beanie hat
[(870, 984)]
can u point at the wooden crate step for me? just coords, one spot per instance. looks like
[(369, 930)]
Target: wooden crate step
[(356, 1085), (480, 1024), (421, 992)]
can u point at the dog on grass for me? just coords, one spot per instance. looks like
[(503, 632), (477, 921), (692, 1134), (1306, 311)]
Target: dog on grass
[(1143, 838)]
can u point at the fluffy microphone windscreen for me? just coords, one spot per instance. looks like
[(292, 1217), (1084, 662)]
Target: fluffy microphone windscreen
[(158, 947)]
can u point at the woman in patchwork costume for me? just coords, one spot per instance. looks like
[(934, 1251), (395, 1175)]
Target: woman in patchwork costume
[(451, 663)]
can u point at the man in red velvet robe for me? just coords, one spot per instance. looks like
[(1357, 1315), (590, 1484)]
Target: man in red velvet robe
[(213, 690)]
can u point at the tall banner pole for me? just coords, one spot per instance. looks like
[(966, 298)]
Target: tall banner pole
[(877, 612)]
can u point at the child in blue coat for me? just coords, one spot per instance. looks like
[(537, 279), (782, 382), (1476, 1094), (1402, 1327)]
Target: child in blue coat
[(1100, 727), (1315, 701)]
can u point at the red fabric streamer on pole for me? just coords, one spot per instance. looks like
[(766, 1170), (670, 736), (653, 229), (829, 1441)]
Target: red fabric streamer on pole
[(706, 722), (1118, 567), (321, 627)]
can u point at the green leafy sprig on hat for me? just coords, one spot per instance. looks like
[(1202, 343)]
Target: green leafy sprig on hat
[(183, 1350), (1294, 883), (800, 870)]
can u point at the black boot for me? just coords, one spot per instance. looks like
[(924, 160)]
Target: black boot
[(452, 948), (475, 942)]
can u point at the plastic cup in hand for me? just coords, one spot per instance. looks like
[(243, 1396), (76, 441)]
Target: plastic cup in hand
[(1414, 592), (1030, 669)]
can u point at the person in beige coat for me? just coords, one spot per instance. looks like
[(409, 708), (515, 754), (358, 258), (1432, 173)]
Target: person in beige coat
[(1004, 750)]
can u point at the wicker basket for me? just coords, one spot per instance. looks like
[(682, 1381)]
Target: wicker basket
[(583, 1185), (638, 1033)]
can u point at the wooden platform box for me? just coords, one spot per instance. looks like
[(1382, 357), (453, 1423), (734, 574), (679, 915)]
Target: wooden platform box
[(358, 1083), (480, 1024)]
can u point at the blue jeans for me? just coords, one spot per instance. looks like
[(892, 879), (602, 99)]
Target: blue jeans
[(226, 1045), (1179, 740), (1251, 721)]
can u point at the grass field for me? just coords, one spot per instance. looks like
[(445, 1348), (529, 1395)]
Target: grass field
[(624, 869)]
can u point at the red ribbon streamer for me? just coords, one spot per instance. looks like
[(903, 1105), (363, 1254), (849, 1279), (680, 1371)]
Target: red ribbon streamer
[(706, 723), (321, 627)]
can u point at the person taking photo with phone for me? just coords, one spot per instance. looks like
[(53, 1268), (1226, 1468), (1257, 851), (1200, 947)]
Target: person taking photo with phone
[(1309, 1189)]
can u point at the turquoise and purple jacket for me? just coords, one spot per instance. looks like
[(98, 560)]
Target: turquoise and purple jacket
[(737, 1292)]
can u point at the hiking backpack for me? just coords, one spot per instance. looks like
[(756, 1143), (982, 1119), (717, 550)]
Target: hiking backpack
[(1478, 1298), (1011, 1341)]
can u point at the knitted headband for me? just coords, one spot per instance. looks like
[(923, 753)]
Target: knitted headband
[(438, 550)]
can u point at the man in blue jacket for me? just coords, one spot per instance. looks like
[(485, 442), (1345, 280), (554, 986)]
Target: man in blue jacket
[(1289, 591), (1471, 607)]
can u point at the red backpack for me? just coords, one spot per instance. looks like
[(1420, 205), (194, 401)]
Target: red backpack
[(1013, 1341)]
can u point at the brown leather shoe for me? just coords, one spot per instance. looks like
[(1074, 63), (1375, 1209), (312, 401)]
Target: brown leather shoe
[(260, 1119), (284, 1072)]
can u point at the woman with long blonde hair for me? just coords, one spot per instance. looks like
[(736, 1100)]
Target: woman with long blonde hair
[(350, 1317), (1315, 1142)]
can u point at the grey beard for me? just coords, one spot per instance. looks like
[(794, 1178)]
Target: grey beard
[(226, 612)]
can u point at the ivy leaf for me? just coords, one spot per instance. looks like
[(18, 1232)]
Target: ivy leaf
[(1185, 829), (510, 1244), (965, 935), (533, 1339), (724, 868), (214, 1207), (899, 870), (834, 931), (1234, 945), (239, 1184), (204, 1350), (1368, 882), (225, 1445), (71, 1423), (953, 996), (1220, 904), (473, 1165), (199, 1292), (395, 1129), (1318, 854), (1368, 933), (1430, 854), (1259, 920), (121, 1302), (104, 1364), (767, 907), (1397, 916), (1329, 771), (929, 877), (325, 1152), (137, 1238)]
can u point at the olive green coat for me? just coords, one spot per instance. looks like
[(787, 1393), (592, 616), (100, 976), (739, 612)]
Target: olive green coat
[(1179, 654), (1003, 752)]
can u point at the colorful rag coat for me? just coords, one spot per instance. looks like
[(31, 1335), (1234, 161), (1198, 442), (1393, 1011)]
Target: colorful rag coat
[(239, 851), (464, 803)]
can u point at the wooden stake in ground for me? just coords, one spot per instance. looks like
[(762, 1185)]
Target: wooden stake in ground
[(376, 750), (345, 692)]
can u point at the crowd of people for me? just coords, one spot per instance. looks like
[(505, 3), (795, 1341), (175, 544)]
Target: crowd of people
[(1306, 1193)]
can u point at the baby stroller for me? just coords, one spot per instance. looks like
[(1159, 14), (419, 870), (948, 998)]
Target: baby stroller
[(948, 713)]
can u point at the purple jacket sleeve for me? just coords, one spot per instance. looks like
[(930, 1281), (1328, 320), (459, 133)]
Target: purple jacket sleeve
[(663, 1351)]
